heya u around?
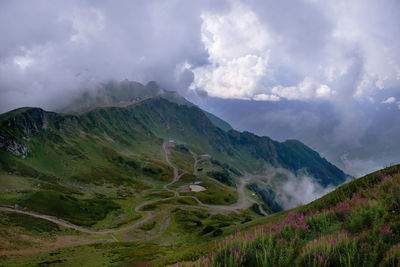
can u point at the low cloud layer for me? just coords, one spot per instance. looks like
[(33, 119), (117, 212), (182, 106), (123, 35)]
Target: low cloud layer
[(291, 190), (300, 190), (52, 51), (359, 138)]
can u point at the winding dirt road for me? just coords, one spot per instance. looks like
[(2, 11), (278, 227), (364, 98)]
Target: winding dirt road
[(243, 202)]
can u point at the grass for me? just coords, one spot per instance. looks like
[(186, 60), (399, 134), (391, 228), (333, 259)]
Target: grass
[(189, 221), (181, 157), (93, 169), (356, 225), (163, 194), (187, 201), (148, 226), (19, 231), (28, 223), (222, 176), (156, 205), (128, 219), (185, 179), (85, 212), (214, 194), (72, 143)]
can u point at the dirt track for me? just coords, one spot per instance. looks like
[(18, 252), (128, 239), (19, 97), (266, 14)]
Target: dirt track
[(243, 202)]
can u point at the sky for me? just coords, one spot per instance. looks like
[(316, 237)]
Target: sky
[(324, 72)]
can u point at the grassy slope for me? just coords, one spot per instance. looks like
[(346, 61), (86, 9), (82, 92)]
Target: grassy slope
[(127, 92), (113, 155), (358, 224), (140, 127), (121, 147)]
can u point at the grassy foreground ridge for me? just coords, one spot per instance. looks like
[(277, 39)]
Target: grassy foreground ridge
[(358, 224)]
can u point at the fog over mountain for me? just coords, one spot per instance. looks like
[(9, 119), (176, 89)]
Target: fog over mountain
[(362, 141), (324, 72)]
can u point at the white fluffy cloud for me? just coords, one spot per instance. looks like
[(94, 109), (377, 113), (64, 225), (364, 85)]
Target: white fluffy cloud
[(301, 51), (238, 53), (389, 100), (234, 78), (300, 190), (306, 89), (265, 97), (262, 50)]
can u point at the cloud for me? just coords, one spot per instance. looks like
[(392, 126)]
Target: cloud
[(331, 63), (359, 166), (264, 97), (300, 190), (307, 50), (55, 50), (306, 89), (365, 131), (316, 50), (237, 47), (389, 100), (292, 190), (236, 78)]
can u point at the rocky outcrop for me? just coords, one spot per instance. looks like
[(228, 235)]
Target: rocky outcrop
[(14, 147), (20, 127)]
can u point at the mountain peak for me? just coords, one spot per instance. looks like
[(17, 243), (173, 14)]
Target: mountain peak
[(125, 93)]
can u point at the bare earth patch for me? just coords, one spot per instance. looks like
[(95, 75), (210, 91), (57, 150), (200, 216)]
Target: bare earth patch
[(196, 188)]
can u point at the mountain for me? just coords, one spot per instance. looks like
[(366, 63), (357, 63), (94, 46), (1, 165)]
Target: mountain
[(30, 130), (358, 224), (127, 92), (114, 173)]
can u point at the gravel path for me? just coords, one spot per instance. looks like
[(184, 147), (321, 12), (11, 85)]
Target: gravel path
[(243, 202)]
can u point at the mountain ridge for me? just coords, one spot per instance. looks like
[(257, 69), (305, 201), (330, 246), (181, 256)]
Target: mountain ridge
[(117, 172), (229, 143), (128, 92)]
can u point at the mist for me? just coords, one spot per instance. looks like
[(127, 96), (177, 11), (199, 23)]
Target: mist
[(300, 190), (285, 189), (361, 142), (58, 50)]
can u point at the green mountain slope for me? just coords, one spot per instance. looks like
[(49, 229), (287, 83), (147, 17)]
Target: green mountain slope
[(117, 146), (118, 181), (176, 98), (141, 127), (127, 175), (128, 92), (358, 224)]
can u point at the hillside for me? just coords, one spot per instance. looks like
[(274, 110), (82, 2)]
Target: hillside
[(127, 92), (112, 174), (150, 121), (358, 224), (117, 145)]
